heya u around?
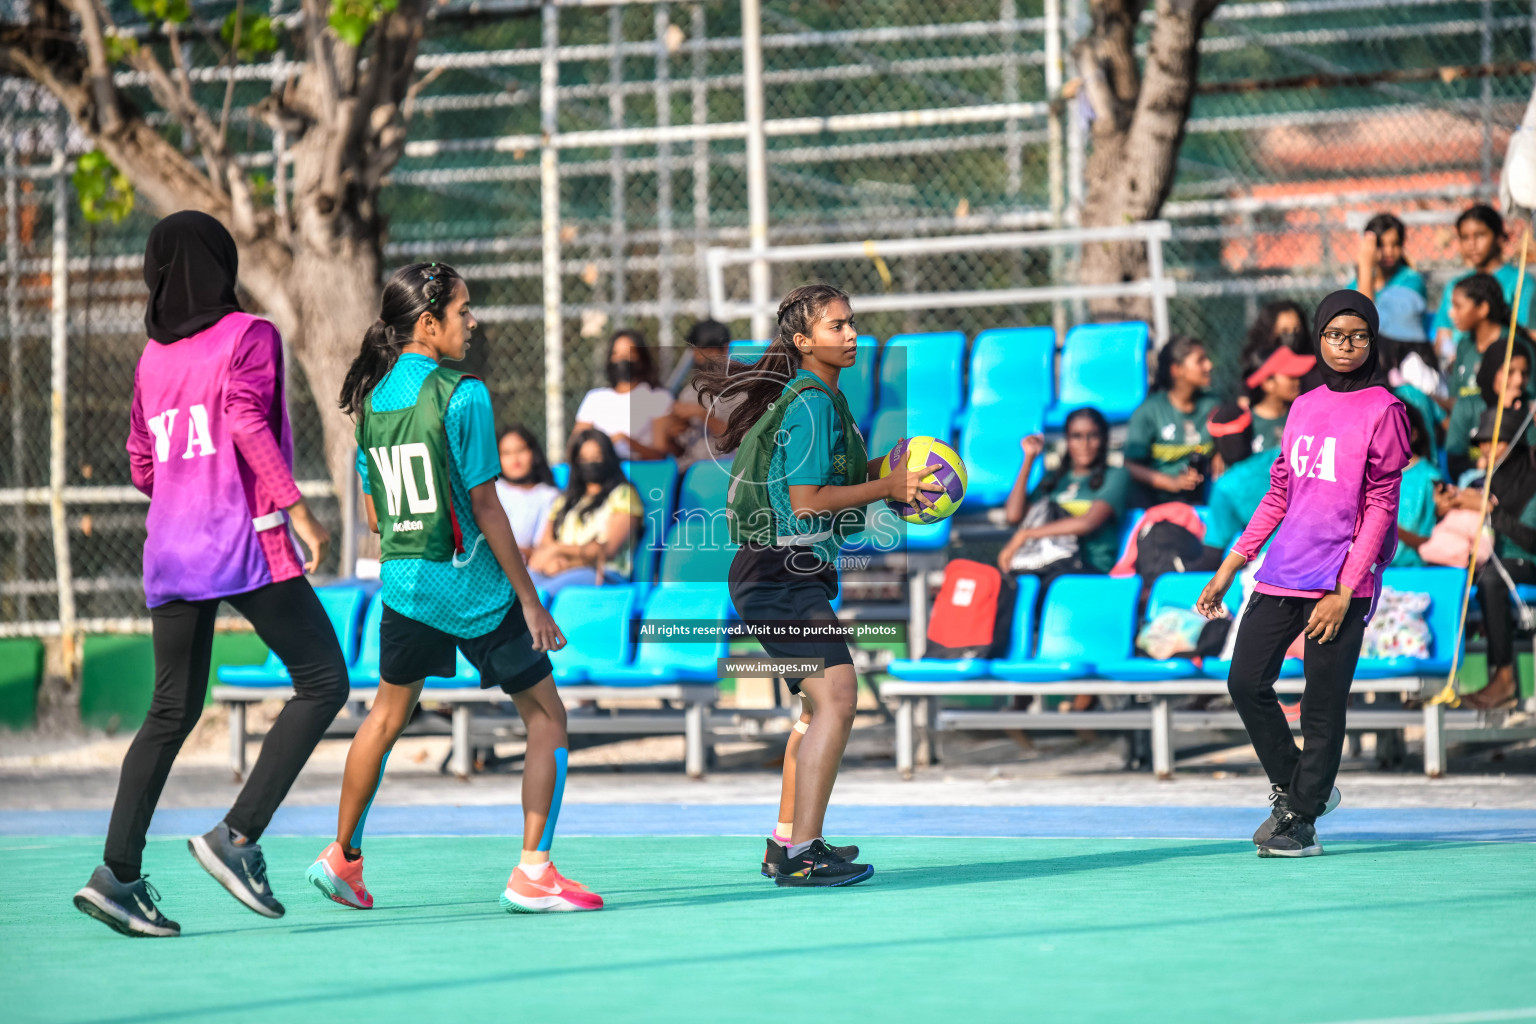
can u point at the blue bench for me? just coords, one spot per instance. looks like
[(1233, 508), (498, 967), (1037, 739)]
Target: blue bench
[(1105, 366), (343, 605)]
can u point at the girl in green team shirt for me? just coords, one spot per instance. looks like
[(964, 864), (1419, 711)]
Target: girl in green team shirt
[(453, 577), (1167, 446), (799, 483)]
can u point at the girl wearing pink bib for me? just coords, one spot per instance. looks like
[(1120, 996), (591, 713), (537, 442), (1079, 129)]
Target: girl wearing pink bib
[(1332, 508)]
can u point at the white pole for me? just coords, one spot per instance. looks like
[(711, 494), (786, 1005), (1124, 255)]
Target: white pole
[(549, 193), (617, 283), (665, 283), (701, 146), (757, 160), (1055, 157), (56, 437), (13, 325)]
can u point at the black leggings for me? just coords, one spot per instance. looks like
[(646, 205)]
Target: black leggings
[(1498, 617), (1268, 626), (289, 619)]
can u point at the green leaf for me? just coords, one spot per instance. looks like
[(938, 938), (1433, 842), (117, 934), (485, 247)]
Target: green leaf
[(258, 35), (351, 19), (103, 190), (176, 11), (120, 47)]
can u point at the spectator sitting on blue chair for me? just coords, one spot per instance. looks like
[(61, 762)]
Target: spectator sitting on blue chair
[(1242, 474), (1512, 514), (692, 432), (590, 535), (1167, 447), (526, 486), (1079, 505), (629, 408)]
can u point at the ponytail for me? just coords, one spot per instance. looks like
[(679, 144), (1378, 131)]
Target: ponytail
[(755, 386), (411, 293)]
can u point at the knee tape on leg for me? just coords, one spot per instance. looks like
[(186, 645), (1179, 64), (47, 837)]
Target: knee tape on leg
[(800, 727), (356, 842), (548, 839)]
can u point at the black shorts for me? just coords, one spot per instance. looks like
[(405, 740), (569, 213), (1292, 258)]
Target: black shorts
[(774, 584), (505, 658)]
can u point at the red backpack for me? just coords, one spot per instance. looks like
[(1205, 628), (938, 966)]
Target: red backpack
[(971, 613)]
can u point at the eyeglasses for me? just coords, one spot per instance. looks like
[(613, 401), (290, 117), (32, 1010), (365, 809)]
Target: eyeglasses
[(1360, 339)]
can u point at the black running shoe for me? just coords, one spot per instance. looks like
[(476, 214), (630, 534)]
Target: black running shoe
[(1294, 837), (238, 867), (126, 907), (1280, 806), (819, 866), (773, 858)]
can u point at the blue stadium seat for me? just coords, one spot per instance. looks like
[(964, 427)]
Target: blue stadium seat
[(937, 670), (595, 621), (656, 481), (669, 661), (989, 447), (705, 485), (1105, 366), (891, 425), (747, 351), (343, 606), (1171, 590), (884, 533), (562, 472), (1014, 366), (920, 373), (365, 670), (1086, 618), (699, 550), (858, 382), (1443, 585)]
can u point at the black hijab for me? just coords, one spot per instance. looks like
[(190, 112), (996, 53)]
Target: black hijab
[(1369, 373), (190, 263)]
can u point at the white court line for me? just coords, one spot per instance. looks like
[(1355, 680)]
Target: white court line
[(1472, 1017)]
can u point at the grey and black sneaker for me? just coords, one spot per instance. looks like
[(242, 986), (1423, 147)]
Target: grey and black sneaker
[(126, 907), (238, 866), (819, 866), (774, 857), (1294, 836), (1280, 806)]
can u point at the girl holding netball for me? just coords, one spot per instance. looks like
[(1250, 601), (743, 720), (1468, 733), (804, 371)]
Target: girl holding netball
[(209, 443), (1332, 506), (800, 481), (452, 574)]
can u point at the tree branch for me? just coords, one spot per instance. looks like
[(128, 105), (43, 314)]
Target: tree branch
[(229, 85)]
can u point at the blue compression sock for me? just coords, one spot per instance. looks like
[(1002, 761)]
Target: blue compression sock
[(356, 842), (548, 838)]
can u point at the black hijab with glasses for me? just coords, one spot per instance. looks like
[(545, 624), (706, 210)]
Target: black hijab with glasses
[(1369, 374)]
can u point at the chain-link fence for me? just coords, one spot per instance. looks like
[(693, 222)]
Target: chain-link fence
[(903, 118)]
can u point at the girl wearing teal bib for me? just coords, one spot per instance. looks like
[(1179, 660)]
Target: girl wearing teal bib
[(800, 481)]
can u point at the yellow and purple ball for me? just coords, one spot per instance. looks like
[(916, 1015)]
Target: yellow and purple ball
[(948, 474)]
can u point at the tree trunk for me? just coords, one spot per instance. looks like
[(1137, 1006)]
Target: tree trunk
[(1137, 131)]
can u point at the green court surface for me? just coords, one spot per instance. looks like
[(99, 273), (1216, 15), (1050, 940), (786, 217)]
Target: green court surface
[(948, 929)]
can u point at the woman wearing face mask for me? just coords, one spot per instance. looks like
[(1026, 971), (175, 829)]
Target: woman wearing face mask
[(628, 408), (1332, 509), (590, 535), (1282, 322), (526, 486), (1480, 232)]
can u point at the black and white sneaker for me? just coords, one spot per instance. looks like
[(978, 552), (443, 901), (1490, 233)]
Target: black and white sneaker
[(819, 866), (238, 866), (1280, 806), (1294, 837), (776, 854), (126, 907)]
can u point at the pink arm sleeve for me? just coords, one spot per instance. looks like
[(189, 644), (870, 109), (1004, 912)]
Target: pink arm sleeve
[(255, 375), (1269, 513), (141, 446), (1388, 455)]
